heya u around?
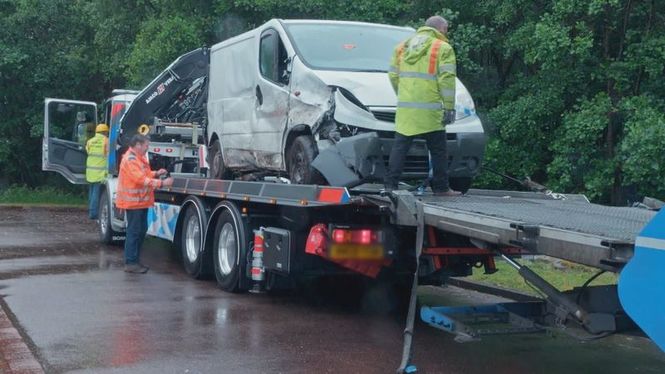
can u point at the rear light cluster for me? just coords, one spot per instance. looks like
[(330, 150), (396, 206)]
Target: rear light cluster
[(336, 242), (350, 236)]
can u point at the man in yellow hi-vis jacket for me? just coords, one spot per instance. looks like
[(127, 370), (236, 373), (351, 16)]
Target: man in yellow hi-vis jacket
[(422, 73), (97, 149)]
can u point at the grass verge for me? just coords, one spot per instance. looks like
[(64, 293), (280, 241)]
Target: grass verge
[(42, 195), (561, 274)]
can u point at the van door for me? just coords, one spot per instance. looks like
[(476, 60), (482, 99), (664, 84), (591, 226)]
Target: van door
[(272, 101), (68, 124)]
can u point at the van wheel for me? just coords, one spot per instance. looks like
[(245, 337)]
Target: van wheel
[(216, 162), (230, 249), (191, 241), (299, 159), (106, 232), (461, 184)]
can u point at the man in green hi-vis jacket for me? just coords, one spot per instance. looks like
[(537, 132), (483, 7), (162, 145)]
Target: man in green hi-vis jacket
[(422, 73)]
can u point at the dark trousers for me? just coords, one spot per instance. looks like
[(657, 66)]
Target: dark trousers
[(436, 143), (93, 199), (137, 226)]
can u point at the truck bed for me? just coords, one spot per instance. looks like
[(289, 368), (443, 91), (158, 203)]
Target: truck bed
[(572, 229)]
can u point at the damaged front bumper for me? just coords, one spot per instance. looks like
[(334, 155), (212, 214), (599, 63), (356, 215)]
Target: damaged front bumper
[(364, 158)]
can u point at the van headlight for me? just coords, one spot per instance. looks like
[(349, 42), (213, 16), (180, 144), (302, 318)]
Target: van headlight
[(464, 105)]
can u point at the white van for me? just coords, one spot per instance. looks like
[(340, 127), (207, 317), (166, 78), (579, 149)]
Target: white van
[(292, 94)]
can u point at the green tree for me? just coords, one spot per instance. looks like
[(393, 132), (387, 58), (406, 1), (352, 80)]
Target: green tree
[(45, 51)]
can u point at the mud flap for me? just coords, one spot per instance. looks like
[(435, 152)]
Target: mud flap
[(352, 161), (642, 284)]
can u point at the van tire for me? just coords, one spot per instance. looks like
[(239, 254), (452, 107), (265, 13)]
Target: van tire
[(216, 162), (299, 159)]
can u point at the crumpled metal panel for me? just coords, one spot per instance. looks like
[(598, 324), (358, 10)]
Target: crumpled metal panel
[(352, 160), (311, 99)]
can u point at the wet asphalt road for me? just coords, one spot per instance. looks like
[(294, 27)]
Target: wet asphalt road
[(80, 312)]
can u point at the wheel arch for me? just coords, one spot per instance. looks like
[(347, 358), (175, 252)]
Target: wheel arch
[(293, 133)]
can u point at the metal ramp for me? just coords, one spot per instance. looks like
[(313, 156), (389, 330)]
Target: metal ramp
[(571, 229), (469, 323)]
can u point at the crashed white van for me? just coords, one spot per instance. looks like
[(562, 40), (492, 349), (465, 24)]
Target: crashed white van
[(311, 98)]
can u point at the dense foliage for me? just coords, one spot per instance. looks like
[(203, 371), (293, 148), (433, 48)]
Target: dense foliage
[(571, 90)]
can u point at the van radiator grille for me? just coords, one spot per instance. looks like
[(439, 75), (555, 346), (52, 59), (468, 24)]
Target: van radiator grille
[(384, 116)]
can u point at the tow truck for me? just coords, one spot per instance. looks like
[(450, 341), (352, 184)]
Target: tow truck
[(266, 234)]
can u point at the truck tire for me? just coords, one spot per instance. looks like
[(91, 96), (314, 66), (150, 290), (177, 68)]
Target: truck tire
[(106, 232), (216, 162), (194, 259), (230, 248), (299, 157)]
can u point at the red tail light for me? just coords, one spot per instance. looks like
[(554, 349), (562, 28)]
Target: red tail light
[(349, 236)]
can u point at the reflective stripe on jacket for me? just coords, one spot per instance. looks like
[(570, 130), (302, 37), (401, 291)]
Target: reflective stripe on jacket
[(95, 166), (422, 73), (135, 183)]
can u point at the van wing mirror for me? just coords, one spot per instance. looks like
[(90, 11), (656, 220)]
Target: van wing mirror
[(289, 65), (286, 73)]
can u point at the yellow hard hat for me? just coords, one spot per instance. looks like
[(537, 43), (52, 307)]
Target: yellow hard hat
[(102, 127), (144, 129)]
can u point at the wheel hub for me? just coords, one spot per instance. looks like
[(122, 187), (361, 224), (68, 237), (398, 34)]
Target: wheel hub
[(227, 249), (193, 239)]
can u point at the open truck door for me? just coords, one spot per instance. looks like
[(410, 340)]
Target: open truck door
[(68, 124)]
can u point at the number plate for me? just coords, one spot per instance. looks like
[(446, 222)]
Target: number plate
[(356, 252)]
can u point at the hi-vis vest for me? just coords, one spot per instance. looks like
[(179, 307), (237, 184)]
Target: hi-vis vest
[(422, 73), (135, 183), (95, 166)]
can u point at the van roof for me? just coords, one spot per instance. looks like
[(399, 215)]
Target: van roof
[(333, 22)]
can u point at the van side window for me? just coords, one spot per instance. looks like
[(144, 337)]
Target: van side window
[(273, 58)]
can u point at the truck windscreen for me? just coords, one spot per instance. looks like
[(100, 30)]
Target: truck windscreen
[(346, 46)]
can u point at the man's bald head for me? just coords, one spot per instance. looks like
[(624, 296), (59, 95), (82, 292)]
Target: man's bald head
[(438, 23)]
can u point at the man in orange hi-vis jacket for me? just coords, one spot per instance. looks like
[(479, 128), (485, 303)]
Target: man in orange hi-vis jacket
[(136, 185)]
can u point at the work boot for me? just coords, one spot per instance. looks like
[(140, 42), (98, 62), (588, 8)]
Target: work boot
[(449, 192), (135, 269)]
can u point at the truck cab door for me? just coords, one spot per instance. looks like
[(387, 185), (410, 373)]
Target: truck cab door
[(68, 124)]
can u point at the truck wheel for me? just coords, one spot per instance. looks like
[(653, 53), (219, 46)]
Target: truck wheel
[(216, 162), (461, 184), (106, 232), (299, 159), (230, 248), (191, 240)]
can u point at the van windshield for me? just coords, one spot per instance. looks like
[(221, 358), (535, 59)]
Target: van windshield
[(346, 46)]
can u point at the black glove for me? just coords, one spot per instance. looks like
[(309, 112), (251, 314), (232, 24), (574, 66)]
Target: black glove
[(448, 116)]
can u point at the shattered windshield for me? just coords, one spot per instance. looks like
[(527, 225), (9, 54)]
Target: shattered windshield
[(346, 46)]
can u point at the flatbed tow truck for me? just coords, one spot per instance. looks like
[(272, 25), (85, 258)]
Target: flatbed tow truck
[(270, 234)]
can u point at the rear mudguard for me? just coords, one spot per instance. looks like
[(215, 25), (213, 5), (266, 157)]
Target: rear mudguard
[(352, 160), (642, 281)]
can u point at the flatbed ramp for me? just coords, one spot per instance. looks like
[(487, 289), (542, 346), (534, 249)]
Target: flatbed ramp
[(569, 228)]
